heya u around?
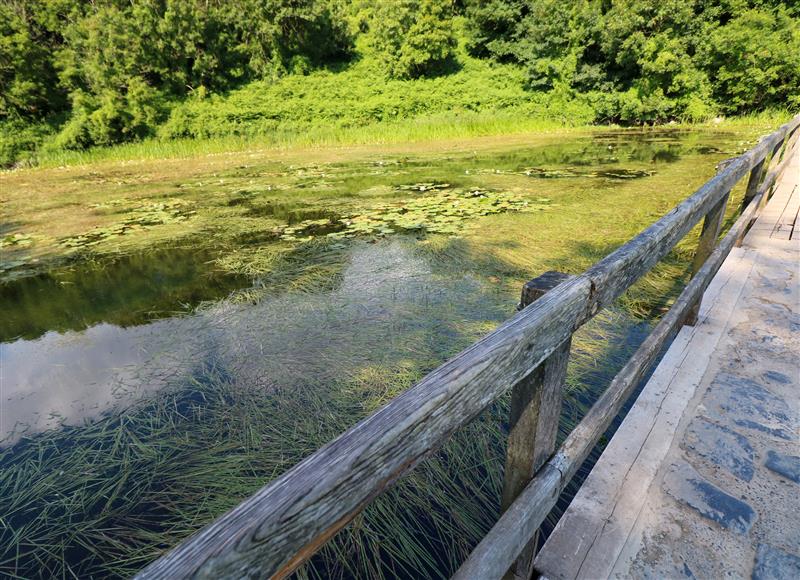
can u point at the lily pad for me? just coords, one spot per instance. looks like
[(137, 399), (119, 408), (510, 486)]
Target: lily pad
[(144, 216), (445, 212), (16, 240)]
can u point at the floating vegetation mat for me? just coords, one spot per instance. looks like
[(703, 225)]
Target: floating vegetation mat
[(19, 239), (620, 173), (168, 212), (14, 241), (443, 213)]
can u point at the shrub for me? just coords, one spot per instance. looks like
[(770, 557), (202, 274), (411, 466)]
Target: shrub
[(755, 61), (20, 139), (414, 38)]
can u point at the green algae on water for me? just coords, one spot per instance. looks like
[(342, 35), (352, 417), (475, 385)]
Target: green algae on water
[(142, 217), (446, 212)]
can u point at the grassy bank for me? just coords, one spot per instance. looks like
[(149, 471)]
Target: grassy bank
[(429, 128), (426, 128), (355, 104)]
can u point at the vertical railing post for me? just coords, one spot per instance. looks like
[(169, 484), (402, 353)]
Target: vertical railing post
[(712, 224), (774, 159), (533, 421), (753, 182), (756, 176)]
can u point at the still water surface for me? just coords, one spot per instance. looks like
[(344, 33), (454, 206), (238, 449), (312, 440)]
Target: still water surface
[(80, 345)]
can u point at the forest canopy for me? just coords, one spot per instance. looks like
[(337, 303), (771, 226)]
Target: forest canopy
[(79, 74)]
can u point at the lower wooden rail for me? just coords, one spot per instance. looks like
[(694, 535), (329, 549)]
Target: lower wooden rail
[(509, 537), (284, 523)]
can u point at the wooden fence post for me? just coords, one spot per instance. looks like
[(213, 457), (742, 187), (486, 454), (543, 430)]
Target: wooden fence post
[(533, 421), (774, 159), (761, 169), (753, 182), (712, 224)]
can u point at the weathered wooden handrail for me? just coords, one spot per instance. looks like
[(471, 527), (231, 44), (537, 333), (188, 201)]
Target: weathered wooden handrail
[(507, 539), (768, 181), (284, 523)]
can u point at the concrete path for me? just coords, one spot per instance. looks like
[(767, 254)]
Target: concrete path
[(702, 480)]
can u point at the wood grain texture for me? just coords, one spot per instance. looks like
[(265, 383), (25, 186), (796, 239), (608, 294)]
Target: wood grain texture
[(533, 418), (535, 409), (765, 188), (543, 423), (712, 224), (535, 404), (501, 546), (281, 525)]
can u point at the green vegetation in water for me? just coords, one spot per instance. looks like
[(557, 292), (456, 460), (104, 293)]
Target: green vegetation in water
[(142, 217), (16, 240), (254, 199), (154, 474), (10, 241), (444, 213), (111, 495), (610, 173)]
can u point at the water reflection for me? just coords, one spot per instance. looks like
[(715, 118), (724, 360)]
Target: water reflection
[(64, 379), (130, 290), (387, 295)]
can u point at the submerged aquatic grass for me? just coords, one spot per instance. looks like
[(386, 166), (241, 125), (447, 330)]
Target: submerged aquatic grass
[(108, 497), (444, 213), (112, 495)]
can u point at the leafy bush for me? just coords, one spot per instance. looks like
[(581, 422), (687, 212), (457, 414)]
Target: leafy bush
[(414, 38), (355, 97), (755, 59), (20, 139), (28, 80), (649, 61), (119, 71)]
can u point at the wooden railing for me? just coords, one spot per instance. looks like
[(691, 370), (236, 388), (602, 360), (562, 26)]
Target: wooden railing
[(283, 524)]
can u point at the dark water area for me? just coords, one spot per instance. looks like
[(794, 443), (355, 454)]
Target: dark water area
[(126, 291), (144, 396)]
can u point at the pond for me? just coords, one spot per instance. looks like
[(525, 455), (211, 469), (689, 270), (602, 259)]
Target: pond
[(145, 393)]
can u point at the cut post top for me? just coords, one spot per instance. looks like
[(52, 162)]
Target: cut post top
[(539, 286)]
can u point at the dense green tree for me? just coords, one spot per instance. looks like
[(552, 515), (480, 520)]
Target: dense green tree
[(123, 62), (551, 39), (648, 47), (280, 35), (108, 71), (28, 79), (492, 27), (755, 60), (649, 60), (413, 37)]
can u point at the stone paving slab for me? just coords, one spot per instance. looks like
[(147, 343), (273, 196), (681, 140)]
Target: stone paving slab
[(702, 479)]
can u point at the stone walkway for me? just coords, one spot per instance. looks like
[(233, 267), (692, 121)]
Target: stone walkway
[(702, 480)]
